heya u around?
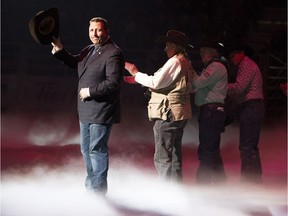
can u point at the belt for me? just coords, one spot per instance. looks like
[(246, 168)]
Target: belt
[(252, 101), (211, 105)]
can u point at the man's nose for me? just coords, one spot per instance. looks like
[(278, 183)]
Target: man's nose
[(95, 33)]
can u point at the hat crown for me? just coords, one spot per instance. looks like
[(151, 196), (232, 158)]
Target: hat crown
[(44, 26), (210, 42), (174, 33), (177, 37)]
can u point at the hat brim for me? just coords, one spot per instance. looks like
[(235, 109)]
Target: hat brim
[(211, 44), (44, 26), (164, 39)]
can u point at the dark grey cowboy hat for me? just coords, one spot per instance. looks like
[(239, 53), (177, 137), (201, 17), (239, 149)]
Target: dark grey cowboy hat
[(176, 37), (44, 26)]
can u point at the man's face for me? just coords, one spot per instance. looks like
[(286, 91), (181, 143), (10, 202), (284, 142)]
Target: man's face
[(206, 54), (236, 57), (97, 32), (170, 49)]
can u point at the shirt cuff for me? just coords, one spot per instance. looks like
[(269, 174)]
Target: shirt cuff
[(88, 92)]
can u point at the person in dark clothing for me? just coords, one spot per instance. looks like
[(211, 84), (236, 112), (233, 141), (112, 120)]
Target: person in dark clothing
[(100, 71)]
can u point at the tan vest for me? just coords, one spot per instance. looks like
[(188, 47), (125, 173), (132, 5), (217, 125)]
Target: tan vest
[(175, 97)]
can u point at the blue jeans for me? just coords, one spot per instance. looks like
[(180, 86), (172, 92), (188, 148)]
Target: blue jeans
[(211, 169), (94, 148), (168, 148), (250, 121)]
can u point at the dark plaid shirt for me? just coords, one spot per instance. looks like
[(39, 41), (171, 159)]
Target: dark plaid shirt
[(249, 83)]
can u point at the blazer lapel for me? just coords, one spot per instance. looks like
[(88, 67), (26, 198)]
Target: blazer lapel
[(92, 56), (83, 64), (89, 59)]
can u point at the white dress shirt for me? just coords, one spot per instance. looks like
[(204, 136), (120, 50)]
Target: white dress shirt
[(163, 77)]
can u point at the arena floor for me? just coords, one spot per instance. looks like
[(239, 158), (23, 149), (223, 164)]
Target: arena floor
[(43, 172)]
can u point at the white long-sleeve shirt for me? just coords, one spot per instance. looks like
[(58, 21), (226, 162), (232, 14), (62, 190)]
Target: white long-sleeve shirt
[(163, 77)]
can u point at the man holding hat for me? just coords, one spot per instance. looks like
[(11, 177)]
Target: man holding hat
[(100, 69), (210, 92), (170, 105), (248, 93)]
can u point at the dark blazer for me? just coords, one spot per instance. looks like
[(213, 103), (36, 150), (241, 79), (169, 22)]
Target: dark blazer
[(103, 74)]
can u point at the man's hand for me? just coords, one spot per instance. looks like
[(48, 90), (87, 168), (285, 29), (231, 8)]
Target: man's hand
[(57, 46), (84, 93), (131, 68)]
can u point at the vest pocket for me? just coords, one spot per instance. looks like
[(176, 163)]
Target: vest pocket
[(158, 110)]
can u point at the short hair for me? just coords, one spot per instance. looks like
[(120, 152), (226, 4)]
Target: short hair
[(100, 19)]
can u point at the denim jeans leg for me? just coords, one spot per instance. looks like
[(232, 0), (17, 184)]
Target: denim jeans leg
[(163, 151), (250, 120), (211, 168), (168, 144), (99, 155), (97, 158), (84, 147), (176, 172)]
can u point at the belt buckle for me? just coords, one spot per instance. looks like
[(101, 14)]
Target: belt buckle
[(219, 108)]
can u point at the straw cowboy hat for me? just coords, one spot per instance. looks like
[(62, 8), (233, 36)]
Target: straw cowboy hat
[(176, 37), (44, 26)]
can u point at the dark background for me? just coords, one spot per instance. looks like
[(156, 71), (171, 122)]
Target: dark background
[(31, 77)]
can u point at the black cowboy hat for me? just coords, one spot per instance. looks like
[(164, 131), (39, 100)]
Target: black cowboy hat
[(210, 42), (44, 26), (248, 51), (176, 37)]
